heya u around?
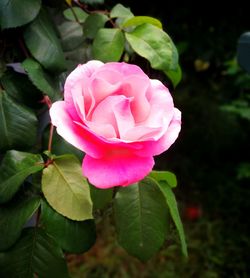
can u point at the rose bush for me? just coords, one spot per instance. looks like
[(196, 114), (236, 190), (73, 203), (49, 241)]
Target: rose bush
[(119, 117)]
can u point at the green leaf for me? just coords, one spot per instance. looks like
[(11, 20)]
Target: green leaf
[(155, 45), (72, 236), (108, 45), (174, 75), (19, 87), (138, 20), (76, 15), (14, 13), (164, 176), (93, 23), (120, 11), (173, 208), (42, 42), (15, 168), (66, 190), (100, 197), (71, 34), (35, 253), (18, 124), (13, 216), (141, 217), (42, 80)]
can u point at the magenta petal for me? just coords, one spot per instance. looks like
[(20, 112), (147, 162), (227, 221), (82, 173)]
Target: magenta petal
[(116, 171)]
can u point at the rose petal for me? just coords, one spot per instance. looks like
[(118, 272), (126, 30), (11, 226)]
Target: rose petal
[(125, 69), (136, 87), (73, 133), (116, 171), (161, 105), (76, 84), (117, 113), (101, 89), (142, 133), (164, 143)]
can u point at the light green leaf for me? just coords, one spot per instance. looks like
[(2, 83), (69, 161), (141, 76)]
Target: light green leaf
[(141, 217), (173, 208), (164, 176), (14, 13), (72, 236), (43, 43), (35, 253), (42, 80), (18, 124), (71, 34), (19, 87), (155, 45), (174, 75), (108, 45), (93, 23), (66, 190), (138, 20), (13, 216), (15, 168), (120, 11), (76, 15), (100, 197)]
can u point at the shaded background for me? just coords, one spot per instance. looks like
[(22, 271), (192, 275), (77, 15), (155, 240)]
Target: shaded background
[(210, 157)]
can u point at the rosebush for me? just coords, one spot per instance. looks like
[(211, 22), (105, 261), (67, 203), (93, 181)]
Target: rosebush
[(119, 117), (113, 112)]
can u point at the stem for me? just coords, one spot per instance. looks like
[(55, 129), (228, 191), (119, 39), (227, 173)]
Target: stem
[(50, 137), (74, 14), (47, 101)]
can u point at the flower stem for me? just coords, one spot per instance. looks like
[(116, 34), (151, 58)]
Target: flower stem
[(50, 137)]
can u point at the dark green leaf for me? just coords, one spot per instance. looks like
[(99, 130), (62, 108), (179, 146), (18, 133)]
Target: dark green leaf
[(120, 11), (174, 75), (164, 176), (15, 168), (93, 23), (71, 34), (19, 87), (15, 13), (42, 80), (100, 197), (243, 51), (72, 236), (76, 15), (35, 253), (18, 124), (155, 45), (13, 216), (138, 20), (173, 208), (42, 42), (108, 45), (141, 217), (66, 190)]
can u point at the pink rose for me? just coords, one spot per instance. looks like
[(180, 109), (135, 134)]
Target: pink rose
[(119, 117)]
